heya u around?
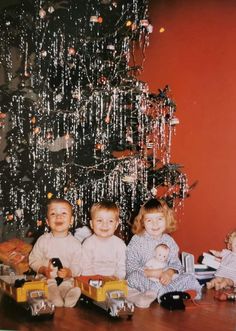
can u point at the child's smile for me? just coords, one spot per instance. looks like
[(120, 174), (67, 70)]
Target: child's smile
[(104, 223), (59, 218), (154, 224)]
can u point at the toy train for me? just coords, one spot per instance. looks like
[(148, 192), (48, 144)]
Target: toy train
[(31, 294), (108, 293)]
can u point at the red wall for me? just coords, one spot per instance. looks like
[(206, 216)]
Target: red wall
[(196, 57)]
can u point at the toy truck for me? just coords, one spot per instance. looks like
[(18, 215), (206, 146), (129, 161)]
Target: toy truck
[(108, 293), (31, 294)]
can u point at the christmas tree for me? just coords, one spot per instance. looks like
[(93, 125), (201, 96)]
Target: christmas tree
[(83, 126)]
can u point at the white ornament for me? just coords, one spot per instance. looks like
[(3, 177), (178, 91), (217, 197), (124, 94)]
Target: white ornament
[(174, 121), (19, 213), (93, 19), (149, 28), (154, 191), (51, 9), (60, 143), (129, 178), (144, 23)]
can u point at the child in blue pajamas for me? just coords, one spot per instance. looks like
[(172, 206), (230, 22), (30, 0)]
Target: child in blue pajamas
[(151, 227)]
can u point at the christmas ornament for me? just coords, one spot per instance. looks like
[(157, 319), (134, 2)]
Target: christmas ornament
[(83, 126), (42, 13), (49, 195), (71, 51)]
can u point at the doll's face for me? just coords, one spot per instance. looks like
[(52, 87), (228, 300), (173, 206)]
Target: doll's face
[(162, 253), (233, 245)]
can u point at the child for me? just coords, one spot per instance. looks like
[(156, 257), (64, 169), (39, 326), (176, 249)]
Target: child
[(104, 253), (59, 243), (159, 261), (225, 275), (151, 227)]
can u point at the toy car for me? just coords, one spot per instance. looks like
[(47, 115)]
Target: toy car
[(108, 293), (38, 303), (31, 294), (117, 304), (225, 295)]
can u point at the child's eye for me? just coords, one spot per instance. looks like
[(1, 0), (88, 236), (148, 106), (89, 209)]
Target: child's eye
[(99, 221), (111, 221)]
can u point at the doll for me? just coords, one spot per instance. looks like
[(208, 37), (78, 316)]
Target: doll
[(225, 275), (159, 261)]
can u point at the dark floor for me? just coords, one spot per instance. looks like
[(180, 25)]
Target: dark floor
[(207, 314)]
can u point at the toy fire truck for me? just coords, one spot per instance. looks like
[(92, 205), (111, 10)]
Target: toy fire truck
[(31, 294), (108, 293)]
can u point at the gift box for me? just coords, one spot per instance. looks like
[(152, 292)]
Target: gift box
[(15, 253)]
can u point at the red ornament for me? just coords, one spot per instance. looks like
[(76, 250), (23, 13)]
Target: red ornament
[(2, 117), (100, 20), (102, 80), (71, 51), (42, 13), (107, 119), (10, 217), (27, 74)]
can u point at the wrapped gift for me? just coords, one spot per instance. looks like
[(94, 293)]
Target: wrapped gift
[(15, 253)]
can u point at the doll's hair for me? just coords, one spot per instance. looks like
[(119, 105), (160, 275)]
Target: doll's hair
[(162, 246), (58, 201), (105, 205), (229, 238), (154, 206)]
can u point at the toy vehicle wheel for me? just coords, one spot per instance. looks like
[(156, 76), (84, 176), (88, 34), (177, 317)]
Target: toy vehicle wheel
[(110, 312)]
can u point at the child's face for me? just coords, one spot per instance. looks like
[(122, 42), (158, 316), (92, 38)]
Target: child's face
[(59, 218), (104, 223), (233, 244), (162, 253), (154, 224)]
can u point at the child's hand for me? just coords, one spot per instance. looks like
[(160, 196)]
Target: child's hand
[(154, 273), (166, 277), (64, 273), (46, 271)]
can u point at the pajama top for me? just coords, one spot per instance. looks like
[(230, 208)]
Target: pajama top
[(67, 249), (104, 256), (227, 268), (140, 250)]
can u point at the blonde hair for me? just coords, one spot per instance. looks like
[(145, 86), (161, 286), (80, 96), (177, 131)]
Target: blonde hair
[(104, 205), (229, 238), (162, 246), (154, 206)]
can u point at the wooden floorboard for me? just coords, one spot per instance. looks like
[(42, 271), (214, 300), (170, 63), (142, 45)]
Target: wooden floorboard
[(208, 314)]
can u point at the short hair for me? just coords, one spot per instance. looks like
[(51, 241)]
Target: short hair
[(154, 206), (105, 205), (229, 238), (58, 200)]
